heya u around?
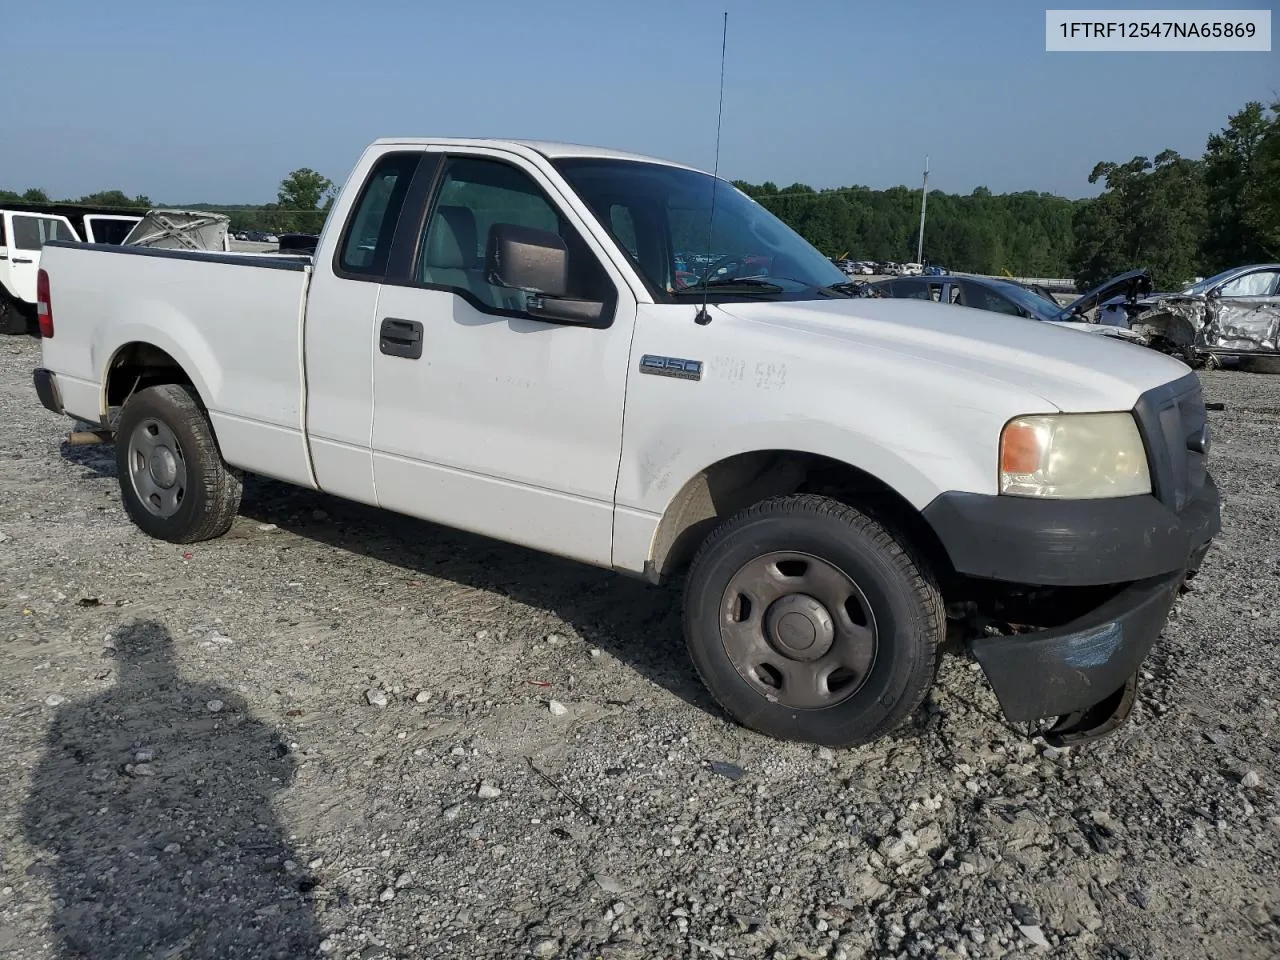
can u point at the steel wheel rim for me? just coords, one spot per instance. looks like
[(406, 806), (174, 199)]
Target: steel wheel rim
[(798, 630), (157, 468)]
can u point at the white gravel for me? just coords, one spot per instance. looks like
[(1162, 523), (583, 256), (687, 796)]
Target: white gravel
[(642, 823)]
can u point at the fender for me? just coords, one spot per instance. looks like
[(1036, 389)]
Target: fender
[(157, 324), (659, 481)]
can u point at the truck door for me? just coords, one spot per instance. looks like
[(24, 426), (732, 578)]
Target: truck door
[(27, 236), (485, 417), (340, 335)]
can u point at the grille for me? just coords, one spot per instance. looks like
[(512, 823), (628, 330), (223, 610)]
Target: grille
[(1174, 427)]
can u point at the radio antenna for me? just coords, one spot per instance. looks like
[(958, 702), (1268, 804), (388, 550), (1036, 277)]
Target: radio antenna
[(702, 318)]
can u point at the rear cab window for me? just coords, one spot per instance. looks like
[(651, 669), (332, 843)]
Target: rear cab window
[(371, 227)]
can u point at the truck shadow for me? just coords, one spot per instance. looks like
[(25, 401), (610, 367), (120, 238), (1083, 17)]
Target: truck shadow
[(634, 621)]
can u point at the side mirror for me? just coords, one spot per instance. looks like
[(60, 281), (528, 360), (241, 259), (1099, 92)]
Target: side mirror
[(522, 258), (537, 262)]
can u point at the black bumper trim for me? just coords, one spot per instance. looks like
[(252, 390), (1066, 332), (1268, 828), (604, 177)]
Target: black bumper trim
[(1071, 542), (46, 382), (1071, 668)]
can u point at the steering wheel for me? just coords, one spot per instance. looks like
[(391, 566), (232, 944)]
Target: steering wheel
[(727, 264)]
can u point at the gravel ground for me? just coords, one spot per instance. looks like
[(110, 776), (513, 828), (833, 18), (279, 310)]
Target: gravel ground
[(338, 732)]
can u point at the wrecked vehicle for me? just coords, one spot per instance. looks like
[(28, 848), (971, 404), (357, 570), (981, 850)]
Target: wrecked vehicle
[(1233, 314), (1017, 300)]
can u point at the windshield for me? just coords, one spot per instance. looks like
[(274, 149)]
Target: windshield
[(1204, 285), (660, 216), (1033, 303)]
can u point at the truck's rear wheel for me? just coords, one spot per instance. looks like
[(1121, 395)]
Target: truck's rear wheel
[(12, 319), (173, 480), (809, 621)]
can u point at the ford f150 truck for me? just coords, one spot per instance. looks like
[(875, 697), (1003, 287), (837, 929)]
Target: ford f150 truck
[(490, 336)]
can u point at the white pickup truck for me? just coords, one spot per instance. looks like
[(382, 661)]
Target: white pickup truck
[(491, 335)]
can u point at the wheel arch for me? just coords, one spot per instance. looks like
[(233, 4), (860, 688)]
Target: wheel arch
[(140, 363), (733, 483)]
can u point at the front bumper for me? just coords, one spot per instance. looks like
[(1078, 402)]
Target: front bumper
[(46, 382), (1068, 669), (1072, 543), (1085, 667)]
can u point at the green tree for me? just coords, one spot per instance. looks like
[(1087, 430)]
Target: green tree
[(1151, 214), (117, 198), (35, 195), (1242, 181), (302, 201)]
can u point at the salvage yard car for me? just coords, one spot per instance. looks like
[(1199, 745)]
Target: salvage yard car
[(490, 336), (1233, 314), (1015, 300)]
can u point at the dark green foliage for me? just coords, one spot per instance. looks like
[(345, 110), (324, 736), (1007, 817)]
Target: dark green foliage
[(1025, 234)]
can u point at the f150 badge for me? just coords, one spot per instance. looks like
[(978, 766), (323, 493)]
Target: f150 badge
[(671, 367)]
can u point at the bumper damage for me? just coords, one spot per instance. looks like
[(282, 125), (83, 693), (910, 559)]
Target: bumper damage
[(1084, 672), (1135, 553)]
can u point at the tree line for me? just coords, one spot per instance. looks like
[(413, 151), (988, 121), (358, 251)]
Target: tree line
[(1181, 217)]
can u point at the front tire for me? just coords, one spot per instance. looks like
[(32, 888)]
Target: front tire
[(809, 621), (173, 480)]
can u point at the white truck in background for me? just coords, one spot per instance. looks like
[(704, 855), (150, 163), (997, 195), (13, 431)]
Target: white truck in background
[(23, 234), (491, 336), (22, 239)]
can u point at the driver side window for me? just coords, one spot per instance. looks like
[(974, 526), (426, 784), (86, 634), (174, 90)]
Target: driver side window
[(475, 195), (1261, 283), (976, 295)]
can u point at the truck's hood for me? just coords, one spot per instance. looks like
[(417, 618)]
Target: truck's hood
[(1073, 372)]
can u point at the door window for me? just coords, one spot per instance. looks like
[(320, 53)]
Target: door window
[(976, 295), (1261, 283), (31, 233), (372, 225), (475, 196), (909, 289)]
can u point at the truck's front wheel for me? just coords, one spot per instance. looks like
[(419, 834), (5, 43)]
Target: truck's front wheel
[(173, 480), (809, 621)]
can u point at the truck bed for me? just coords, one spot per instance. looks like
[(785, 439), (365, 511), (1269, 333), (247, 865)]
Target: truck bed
[(234, 319)]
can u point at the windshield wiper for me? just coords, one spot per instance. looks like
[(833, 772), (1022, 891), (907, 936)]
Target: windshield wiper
[(753, 283)]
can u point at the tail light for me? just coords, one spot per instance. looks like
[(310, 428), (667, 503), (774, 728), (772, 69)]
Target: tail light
[(44, 306)]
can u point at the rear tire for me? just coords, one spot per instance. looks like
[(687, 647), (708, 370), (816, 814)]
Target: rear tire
[(12, 319), (173, 480), (809, 621)]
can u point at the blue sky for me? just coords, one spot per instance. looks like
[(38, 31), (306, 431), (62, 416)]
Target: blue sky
[(192, 100)]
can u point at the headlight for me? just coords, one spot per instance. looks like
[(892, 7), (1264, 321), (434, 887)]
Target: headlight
[(1073, 456)]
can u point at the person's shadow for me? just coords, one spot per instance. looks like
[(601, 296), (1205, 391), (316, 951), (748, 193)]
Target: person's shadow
[(152, 806)]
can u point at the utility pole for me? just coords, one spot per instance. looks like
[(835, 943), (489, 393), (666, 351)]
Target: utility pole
[(924, 196)]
